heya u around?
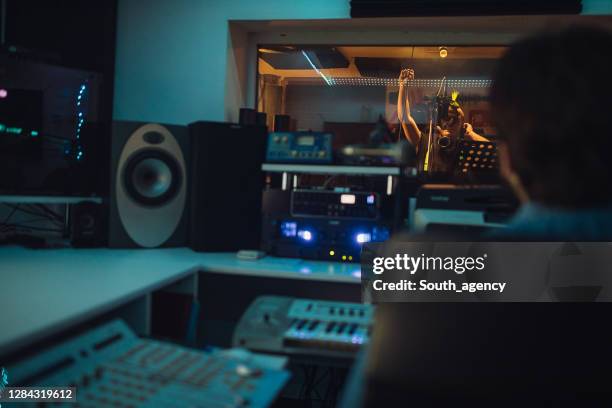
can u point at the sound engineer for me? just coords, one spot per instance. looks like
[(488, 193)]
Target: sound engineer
[(550, 104)]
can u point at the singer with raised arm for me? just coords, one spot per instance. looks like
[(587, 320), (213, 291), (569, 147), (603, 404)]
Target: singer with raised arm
[(449, 127), (409, 127)]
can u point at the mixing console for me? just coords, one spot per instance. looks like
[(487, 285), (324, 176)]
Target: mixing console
[(111, 367)]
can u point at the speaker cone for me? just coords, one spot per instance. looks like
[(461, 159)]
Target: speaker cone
[(152, 177), (149, 185)]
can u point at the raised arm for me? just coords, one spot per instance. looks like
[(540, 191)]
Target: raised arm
[(409, 126), (470, 134)]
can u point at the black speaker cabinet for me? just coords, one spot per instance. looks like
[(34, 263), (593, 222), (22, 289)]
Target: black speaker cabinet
[(247, 116), (226, 185), (88, 225), (149, 185), (282, 123)]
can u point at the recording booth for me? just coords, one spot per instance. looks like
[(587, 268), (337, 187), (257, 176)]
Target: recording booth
[(186, 191)]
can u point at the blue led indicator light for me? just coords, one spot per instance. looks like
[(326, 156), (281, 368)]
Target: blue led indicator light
[(289, 229), (363, 237), (306, 235)]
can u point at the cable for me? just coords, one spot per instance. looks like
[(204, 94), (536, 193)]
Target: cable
[(35, 212), (330, 179), (11, 214), (442, 83), (28, 228), (302, 392), (311, 382), (50, 212), (21, 208), (34, 220)]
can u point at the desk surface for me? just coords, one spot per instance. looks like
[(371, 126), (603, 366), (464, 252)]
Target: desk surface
[(45, 291)]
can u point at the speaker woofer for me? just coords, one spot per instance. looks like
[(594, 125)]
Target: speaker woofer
[(152, 177), (149, 186)]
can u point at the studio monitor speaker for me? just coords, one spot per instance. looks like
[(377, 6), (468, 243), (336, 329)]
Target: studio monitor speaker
[(88, 225), (148, 185), (227, 185)]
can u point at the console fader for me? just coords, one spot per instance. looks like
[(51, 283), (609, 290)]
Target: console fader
[(111, 367)]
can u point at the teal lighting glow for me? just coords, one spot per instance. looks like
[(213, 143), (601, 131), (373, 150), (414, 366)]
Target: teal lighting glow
[(80, 112), (14, 130), (76, 151), (34, 133), (326, 79)]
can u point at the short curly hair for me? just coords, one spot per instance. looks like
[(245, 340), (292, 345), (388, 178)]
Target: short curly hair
[(551, 101)]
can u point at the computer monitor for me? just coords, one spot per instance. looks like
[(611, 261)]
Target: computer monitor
[(47, 143)]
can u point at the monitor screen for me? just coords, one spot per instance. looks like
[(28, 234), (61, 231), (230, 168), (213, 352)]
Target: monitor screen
[(46, 145), (21, 108)]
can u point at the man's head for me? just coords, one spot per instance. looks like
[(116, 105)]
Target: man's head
[(552, 103)]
